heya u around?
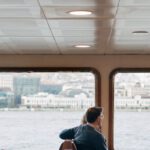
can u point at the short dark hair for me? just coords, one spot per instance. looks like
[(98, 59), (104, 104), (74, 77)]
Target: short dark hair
[(92, 113)]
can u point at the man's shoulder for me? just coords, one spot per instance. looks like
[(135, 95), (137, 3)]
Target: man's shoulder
[(100, 136), (95, 132)]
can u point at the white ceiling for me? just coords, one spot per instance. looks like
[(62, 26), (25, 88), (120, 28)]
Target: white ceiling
[(46, 27)]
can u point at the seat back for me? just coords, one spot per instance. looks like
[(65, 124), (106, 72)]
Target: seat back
[(68, 145)]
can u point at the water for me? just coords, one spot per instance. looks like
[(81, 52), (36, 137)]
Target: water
[(34, 130), (132, 131), (39, 130)]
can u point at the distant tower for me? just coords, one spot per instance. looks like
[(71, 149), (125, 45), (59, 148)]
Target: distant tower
[(24, 86)]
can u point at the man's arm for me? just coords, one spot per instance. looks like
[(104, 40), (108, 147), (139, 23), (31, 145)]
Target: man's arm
[(68, 133)]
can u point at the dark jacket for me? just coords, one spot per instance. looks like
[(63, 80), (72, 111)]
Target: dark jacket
[(85, 137)]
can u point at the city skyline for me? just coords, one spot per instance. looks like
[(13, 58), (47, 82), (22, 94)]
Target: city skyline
[(26, 88)]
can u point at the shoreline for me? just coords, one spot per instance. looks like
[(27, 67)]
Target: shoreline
[(70, 110)]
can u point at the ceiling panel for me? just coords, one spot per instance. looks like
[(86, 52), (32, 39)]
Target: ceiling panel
[(133, 12), (18, 2), (4, 48), (67, 44), (81, 33), (29, 45), (134, 3), (78, 27), (125, 40), (132, 23), (21, 12), (78, 2), (131, 33), (128, 46), (63, 12), (46, 27), (24, 27), (131, 30), (75, 39), (80, 23), (78, 33)]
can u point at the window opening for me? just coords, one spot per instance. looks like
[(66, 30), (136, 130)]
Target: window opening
[(36, 106), (132, 111)]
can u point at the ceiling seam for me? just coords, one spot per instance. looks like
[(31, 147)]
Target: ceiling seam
[(49, 27), (111, 30)]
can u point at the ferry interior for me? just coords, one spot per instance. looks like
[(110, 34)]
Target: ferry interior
[(105, 37)]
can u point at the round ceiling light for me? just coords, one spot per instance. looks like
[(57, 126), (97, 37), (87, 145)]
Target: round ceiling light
[(140, 32), (82, 46), (80, 13)]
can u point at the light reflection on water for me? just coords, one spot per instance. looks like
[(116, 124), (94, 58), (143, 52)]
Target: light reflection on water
[(40, 130)]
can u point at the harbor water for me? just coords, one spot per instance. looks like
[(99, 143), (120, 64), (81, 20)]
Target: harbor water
[(39, 130)]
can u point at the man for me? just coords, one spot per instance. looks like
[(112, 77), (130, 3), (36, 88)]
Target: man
[(88, 136)]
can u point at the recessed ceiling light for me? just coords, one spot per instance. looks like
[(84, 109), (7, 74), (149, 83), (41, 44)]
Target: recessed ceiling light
[(80, 13), (82, 46), (140, 32)]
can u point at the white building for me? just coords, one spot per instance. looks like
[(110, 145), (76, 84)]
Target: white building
[(46, 100), (136, 102), (6, 81)]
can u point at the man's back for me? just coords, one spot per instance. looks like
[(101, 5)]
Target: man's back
[(85, 137)]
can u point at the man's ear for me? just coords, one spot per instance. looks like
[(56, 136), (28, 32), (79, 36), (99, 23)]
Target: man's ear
[(98, 120)]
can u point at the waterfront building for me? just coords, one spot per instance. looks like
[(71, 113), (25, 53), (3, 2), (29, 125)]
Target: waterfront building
[(45, 100), (51, 88), (6, 99), (132, 103), (6, 81), (141, 89), (77, 87), (24, 86)]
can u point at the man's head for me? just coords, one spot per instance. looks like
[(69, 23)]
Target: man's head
[(93, 113)]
